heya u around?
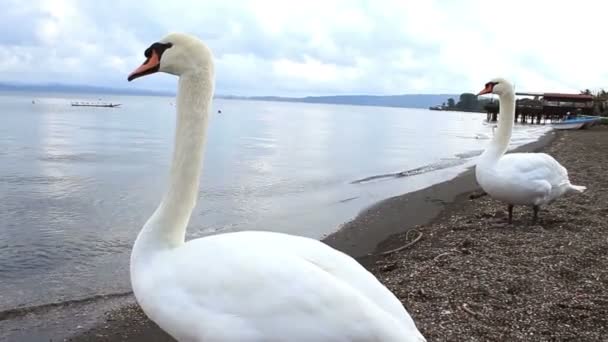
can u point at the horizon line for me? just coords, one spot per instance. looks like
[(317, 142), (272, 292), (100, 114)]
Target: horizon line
[(82, 88)]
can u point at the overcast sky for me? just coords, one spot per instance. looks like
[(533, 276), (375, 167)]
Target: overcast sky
[(315, 47)]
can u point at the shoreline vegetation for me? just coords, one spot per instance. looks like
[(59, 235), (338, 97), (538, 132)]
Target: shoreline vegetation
[(467, 102), (464, 272)]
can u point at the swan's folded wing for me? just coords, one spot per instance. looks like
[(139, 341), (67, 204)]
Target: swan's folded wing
[(534, 167), (268, 296), (339, 265)]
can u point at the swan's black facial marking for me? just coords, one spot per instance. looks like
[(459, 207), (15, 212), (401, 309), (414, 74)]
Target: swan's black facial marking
[(153, 56), (491, 85), (159, 48)]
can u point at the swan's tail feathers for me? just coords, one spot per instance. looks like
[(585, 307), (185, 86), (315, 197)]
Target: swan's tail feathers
[(578, 188)]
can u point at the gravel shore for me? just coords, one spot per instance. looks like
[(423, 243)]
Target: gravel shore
[(473, 277)]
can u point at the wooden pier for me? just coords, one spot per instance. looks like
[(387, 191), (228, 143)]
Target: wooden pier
[(537, 108)]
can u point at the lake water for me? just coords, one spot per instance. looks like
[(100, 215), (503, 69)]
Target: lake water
[(77, 183)]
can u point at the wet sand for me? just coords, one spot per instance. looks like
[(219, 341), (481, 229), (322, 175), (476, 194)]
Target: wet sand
[(471, 276)]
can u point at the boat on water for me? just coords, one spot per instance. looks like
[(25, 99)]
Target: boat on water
[(95, 104), (576, 123)]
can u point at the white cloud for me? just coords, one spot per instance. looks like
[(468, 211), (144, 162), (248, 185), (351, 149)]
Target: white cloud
[(318, 46)]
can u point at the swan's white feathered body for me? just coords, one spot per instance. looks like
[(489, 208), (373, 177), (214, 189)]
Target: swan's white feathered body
[(263, 286), (531, 179), (525, 179), (244, 286)]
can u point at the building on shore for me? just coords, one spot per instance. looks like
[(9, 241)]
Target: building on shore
[(540, 107)]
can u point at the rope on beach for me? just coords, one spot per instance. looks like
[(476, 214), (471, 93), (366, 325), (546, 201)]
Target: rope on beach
[(442, 255), (466, 308), (407, 245)]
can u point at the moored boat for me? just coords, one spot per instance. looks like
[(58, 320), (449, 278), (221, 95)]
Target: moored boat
[(95, 104), (576, 123)]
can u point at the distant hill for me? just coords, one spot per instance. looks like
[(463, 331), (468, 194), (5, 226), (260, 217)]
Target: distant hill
[(406, 100), (81, 89)]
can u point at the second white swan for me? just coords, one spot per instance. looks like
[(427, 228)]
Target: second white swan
[(531, 179)]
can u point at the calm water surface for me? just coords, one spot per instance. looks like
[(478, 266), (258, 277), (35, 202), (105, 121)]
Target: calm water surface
[(77, 183)]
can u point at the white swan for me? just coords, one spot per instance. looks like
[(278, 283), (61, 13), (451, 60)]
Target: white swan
[(243, 286), (532, 179)]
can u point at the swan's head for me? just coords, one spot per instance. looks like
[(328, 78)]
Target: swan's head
[(175, 54), (498, 86)]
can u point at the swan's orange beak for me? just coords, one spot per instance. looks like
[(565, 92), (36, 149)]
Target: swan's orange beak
[(488, 89), (150, 66)]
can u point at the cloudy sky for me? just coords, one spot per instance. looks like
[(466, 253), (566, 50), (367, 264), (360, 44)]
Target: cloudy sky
[(267, 47)]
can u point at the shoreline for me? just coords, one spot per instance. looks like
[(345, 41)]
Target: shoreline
[(373, 229), (475, 277)]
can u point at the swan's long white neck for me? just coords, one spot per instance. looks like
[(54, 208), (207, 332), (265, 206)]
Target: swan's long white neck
[(166, 228), (502, 136)]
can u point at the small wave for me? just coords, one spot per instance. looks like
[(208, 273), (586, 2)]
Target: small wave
[(444, 164), (470, 154), (348, 199), (371, 178), (22, 311), (69, 157), (38, 180), (111, 129), (478, 136)]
